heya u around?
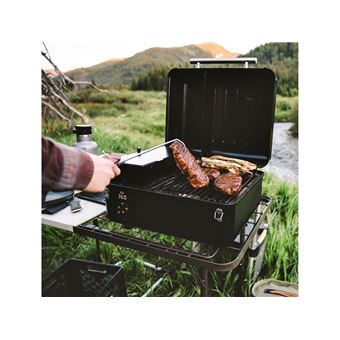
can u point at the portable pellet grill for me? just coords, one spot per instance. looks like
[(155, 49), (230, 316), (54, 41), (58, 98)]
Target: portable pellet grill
[(224, 111)]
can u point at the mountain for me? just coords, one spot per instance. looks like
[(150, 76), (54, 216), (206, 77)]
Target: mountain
[(282, 58), (117, 72), (217, 51)]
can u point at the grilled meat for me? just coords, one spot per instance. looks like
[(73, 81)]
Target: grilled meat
[(248, 165), (234, 165), (188, 165), (212, 173), (229, 183)]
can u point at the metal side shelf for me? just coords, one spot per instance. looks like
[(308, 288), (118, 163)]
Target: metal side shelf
[(209, 258)]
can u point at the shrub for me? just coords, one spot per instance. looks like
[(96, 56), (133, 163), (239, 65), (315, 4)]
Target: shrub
[(283, 105), (80, 96), (294, 130)]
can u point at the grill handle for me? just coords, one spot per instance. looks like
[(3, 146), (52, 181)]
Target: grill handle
[(245, 61)]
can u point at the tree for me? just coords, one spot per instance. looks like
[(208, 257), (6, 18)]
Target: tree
[(154, 80)]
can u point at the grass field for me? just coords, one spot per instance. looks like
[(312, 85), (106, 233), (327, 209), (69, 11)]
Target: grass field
[(285, 107), (123, 120), (135, 119)]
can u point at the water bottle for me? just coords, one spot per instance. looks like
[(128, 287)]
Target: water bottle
[(84, 139)]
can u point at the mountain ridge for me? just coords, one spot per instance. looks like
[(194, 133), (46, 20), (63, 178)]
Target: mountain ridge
[(138, 70), (118, 71)]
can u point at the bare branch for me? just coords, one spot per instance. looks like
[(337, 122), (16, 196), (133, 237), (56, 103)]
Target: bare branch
[(69, 106), (73, 82), (57, 112), (61, 78), (50, 84), (54, 92), (47, 50), (87, 83)]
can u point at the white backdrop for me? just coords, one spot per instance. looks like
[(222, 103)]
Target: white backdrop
[(136, 24)]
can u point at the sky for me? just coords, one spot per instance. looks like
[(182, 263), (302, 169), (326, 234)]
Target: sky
[(101, 30), (73, 54)]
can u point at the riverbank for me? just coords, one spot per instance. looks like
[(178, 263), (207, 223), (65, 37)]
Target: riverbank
[(284, 160)]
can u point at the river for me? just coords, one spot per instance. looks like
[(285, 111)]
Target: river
[(284, 160)]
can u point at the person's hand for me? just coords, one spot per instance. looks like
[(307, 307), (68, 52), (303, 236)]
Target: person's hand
[(104, 170)]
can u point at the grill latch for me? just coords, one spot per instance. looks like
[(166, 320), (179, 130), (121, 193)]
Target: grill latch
[(218, 215)]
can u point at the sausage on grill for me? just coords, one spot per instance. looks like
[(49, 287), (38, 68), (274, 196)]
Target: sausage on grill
[(187, 163), (228, 183)]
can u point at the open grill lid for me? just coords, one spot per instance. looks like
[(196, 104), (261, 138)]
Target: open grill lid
[(225, 111)]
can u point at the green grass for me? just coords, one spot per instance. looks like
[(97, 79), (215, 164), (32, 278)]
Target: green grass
[(281, 259), (140, 122), (285, 106)]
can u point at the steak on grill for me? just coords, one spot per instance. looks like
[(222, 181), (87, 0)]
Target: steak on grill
[(212, 173), (187, 163), (229, 183)]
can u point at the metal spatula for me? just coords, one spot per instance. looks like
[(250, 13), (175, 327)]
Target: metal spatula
[(147, 156)]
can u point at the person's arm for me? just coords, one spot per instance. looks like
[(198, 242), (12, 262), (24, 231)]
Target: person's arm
[(66, 167)]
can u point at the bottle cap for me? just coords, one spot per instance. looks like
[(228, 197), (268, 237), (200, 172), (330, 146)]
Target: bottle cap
[(82, 129)]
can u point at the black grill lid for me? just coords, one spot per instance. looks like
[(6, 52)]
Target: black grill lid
[(225, 111)]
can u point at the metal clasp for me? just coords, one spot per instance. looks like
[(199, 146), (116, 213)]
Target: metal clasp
[(218, 215)]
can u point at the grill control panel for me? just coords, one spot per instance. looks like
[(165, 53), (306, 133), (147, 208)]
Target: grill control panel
[(122, 204)]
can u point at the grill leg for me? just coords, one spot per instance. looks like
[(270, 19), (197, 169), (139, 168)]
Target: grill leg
[(242, 271), (204, 281), (243, 265), (203, 272)]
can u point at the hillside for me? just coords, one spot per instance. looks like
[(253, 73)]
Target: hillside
[(147, 70), (116, 72)]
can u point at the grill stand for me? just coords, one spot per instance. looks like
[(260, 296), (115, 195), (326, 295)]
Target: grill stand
[(201, 260), (242, 266)]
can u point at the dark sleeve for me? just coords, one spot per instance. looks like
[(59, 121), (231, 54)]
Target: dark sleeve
[(64, 167)]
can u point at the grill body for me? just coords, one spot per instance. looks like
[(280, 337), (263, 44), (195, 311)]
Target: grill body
[(170, 205)]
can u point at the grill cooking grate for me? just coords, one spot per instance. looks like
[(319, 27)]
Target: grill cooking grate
[(177, 184)]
